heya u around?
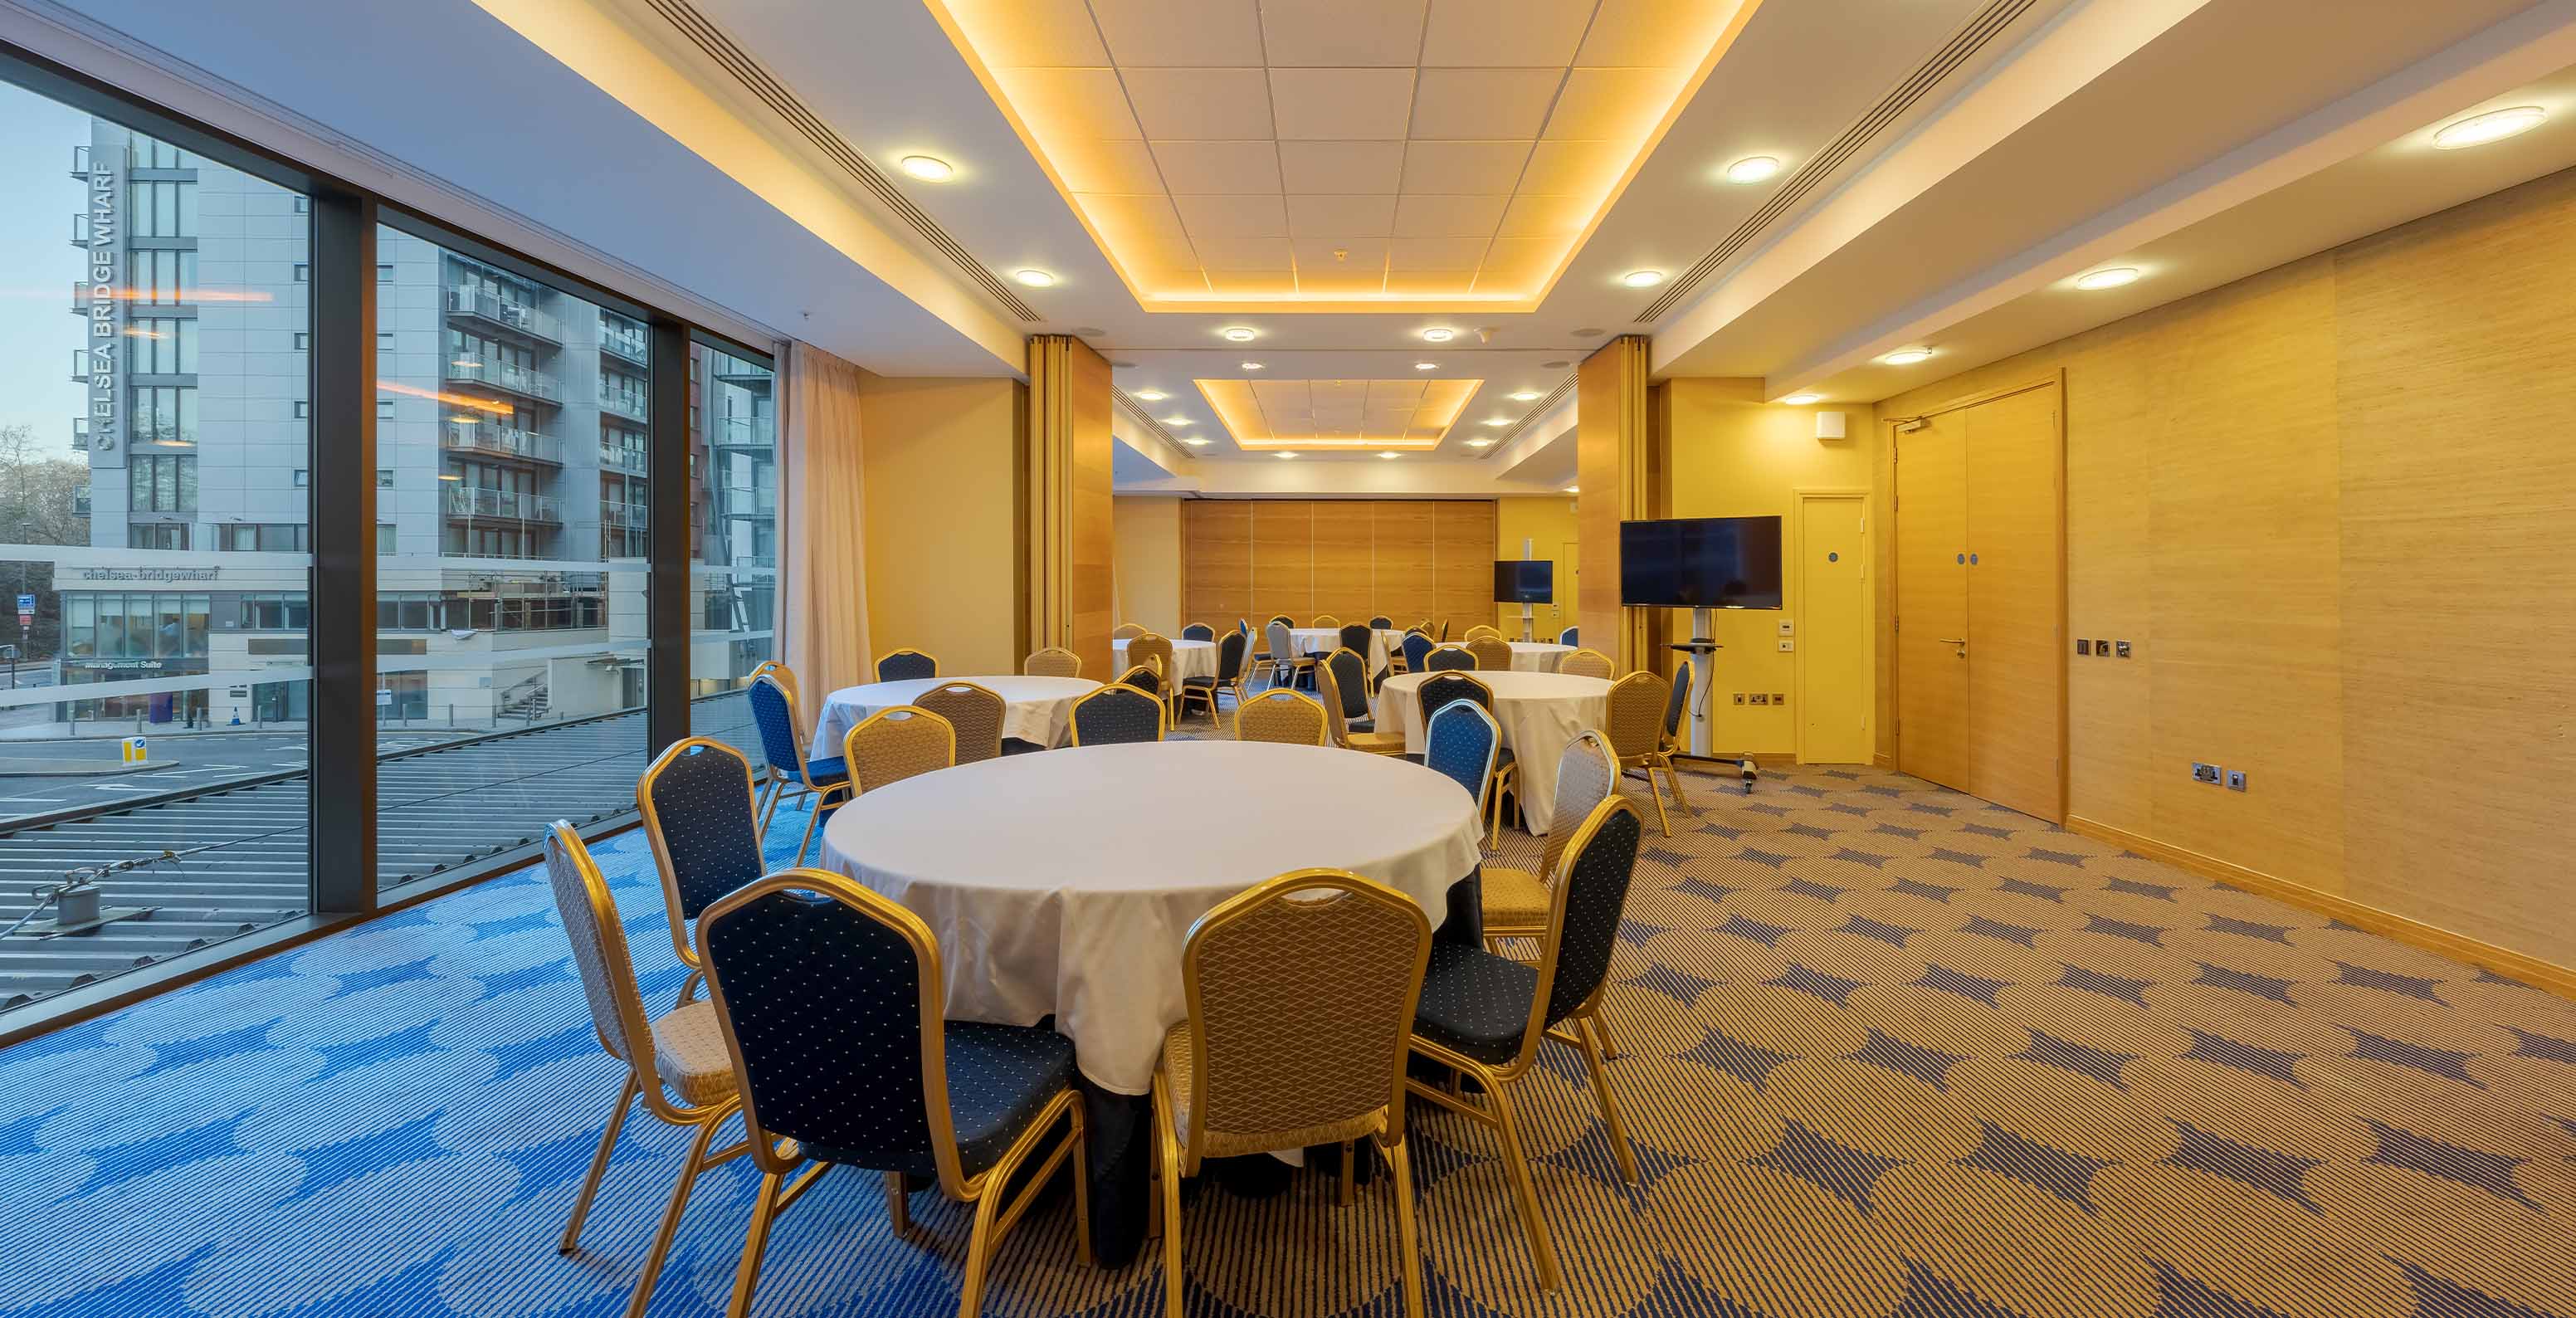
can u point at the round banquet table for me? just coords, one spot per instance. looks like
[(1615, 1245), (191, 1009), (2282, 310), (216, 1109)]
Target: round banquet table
[(1192, 658), (1078, 906), (1538, 656), (1038, 710), (1539, 714), (1325, 640)]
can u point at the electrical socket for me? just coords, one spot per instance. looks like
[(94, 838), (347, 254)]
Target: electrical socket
[(1739, 697), (2236, 780), (1761, 698), (2205, 773), (2083, 646), (1779, 698), (1787, 645), (2101, 648)]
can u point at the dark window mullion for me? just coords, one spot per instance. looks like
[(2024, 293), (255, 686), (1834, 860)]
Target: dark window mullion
[(666, 615), (343, 517)]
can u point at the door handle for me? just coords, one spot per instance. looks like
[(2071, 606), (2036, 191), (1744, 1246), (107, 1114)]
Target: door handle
[(1953, 640)]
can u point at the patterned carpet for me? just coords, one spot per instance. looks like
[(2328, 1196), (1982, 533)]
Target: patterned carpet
[(1891, 1051)]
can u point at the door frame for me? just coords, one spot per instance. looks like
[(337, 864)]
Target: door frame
[(2056, 378), (1799, 497)]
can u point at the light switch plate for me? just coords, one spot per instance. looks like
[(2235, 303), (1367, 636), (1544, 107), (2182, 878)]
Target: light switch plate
[(1788, 628), (1786, 644)]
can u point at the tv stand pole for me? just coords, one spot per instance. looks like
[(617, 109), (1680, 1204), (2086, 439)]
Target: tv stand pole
[(1526, 616), (1703, 698)]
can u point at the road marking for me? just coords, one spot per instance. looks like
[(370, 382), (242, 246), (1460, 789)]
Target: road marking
[(117, 787)]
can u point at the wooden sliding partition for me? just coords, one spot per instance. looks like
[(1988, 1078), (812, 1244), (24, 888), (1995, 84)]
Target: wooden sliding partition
[(1407, 559)]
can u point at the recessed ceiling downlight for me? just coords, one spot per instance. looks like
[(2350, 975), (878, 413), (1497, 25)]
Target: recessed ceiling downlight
[(1283, 457), (1426, 366), (1390, 456), (2110, 277), (1906, 356), (929, 169), (2494, 125), (1801, 400), (1642, 278), (1437, 334), (1034, 278), (1152, 395), (1238, 334), (1524, 396), (1249, 366), (1194, 441), (1753, 169)]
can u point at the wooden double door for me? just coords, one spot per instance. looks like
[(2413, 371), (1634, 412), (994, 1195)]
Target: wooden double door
[(1981, 599)]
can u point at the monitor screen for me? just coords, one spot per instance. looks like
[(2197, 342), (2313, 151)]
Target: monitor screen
[(1701, 563), (1524, 581)]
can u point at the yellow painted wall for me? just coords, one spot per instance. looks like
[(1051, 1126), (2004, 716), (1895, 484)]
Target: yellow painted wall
[(942, 468), (1149, 563), (1733, 455), (2329, 506), (1543, 526)]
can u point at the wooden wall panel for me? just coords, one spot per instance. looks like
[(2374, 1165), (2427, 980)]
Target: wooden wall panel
[(1462, 587), (1216, 558), (1405, 531), (1345, 560), (1283, 560)]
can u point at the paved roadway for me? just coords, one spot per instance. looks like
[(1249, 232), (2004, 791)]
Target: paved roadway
[(197, 760)]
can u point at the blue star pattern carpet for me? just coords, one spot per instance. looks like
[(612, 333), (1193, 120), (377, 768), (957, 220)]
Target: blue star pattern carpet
[(1888, 1051)]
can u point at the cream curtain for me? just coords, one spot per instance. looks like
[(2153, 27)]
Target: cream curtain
[(823, 606)]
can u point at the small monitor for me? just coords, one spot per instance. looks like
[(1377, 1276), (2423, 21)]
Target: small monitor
[(1524, 581)]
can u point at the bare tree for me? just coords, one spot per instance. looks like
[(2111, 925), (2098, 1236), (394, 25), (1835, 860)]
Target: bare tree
[(39, 494)]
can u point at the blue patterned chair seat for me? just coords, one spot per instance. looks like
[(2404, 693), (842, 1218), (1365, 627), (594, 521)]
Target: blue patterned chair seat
[(1475, 1003), (999, 1077), (827, 772)]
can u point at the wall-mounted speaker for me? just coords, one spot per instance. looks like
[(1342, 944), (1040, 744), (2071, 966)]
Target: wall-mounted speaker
[(1829, 425)]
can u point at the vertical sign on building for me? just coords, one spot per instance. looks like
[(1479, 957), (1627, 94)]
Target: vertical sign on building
[(106, 318)]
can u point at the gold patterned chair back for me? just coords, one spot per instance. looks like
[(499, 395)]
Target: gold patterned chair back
[(1280, 1054), (599, 952), (1636, 719), (1493, 653), (1481, 629), (1290, 718), (975, 712), (1586, 775), (1328, 622), (1328, 693), (1587, 663), (1053, 661), (1155, 652), (895, 744), (1126, 631)]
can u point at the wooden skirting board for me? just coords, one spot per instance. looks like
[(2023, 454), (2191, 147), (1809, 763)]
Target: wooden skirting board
[(2530, 970)]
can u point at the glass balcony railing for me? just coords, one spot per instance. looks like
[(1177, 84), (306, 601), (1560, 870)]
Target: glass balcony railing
[(758, 432), (622, 516), (80, 434), (507, 441), (747, 501), (474, 501), (80, 366), (502, 311), (618, 457), (624, 402), (509, 377), (621, 340), (80, 230)]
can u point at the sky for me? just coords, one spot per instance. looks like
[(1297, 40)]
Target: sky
[(37, 266)]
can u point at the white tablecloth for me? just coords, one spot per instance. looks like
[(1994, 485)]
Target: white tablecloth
[(1325, 640), (1538, 656), (1192, 658), (1066, 883), (1038, 709), (1539, 714)]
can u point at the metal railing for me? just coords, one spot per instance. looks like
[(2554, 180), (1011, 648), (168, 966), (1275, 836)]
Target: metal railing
[(619, 341), (623, 402), (618, 457), (754, 432), (502, 311), (474, 501), (509, 376), (508, 441), (623, 516)]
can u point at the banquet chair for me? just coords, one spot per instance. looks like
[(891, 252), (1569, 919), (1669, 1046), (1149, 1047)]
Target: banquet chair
[(699, 809), (1155, 652), (1485, 1015), (1327, 622), (786, 676), (1493, 653), (1229, 677), (1417, 649), (1437, 691), (1381, 623), (680, 1053), (976, 712), (791, 768), (1331, 693), (807, 965), (894, 744), (903, 665), (1053, 661), (1127, 631), (1635, 725), (1283, 620), (1290, 718), (1118, 713), (1263, 1063), (1570, 636), (1358, 637), (1586, 663), (1142, 677), (1462, 741), (1287, 666), (1481, 629), (1516, 899), (1198, 631), (1448, 657)]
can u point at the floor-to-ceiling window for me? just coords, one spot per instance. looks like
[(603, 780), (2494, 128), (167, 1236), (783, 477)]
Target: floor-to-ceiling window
[(733, 540), (155, 508)]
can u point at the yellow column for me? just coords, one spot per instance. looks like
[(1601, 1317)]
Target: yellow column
[(1069, 526), (1616, 477)]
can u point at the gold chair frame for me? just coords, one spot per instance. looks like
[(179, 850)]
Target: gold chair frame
[(1328, 693), (985, 1190), (1627, 726), (1586, 659), (898, 714), (879, 665), (1127, 631), (1493, 1081), (652, 819), (951, 690), (1069, 656), (1323, 720)]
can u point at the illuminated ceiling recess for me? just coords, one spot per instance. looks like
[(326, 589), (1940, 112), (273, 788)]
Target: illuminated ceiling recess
[(1327, 415), (1338, 157)]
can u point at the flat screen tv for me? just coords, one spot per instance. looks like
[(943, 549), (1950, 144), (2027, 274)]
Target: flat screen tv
[(1701, 563), (1524, 581)]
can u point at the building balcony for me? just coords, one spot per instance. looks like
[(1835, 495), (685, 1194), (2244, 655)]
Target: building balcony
[(624, 516), (618, 457), (625, 340), (80, 434), (745, 432), (491, 437), (81, 502), (517, 317), (747, 501), (506, 377), (630, 405), (80, 366), (80, 230), (80, 161), (742, 374), (468, 501)]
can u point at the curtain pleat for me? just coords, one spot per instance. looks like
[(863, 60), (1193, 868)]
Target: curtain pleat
[(823, 609)]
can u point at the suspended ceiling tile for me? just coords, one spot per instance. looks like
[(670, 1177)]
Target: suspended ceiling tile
[(1462, 167), (1215, 167), (1670, 34), (1184, 34), (1253, 283), (1436, 253), (1200, 105), (1365, 280), (1342, 104), (1520, 261), (1483, 104), (1498, 34), (1145, 219), (1345, 167), (1342, 33), (1441, 215), (1341, 213), (1107, 165), (1401, 282), (1031, 34), (1232, 215), (1583, 168), (1244, 254)]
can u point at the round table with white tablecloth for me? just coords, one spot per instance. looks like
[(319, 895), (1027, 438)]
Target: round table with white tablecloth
[(1037, 710), (1539, 714), (1192, 658), (1065, 884), (1325, 640), (1538, 656)]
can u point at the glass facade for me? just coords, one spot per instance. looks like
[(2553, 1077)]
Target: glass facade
[(166, 569)]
